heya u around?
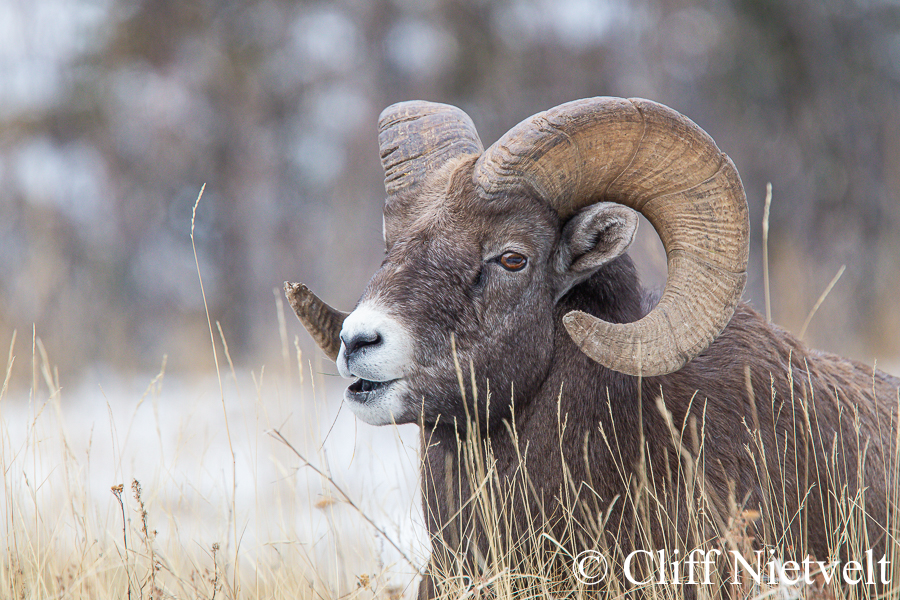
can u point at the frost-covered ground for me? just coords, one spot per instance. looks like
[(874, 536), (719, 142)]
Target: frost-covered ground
[(215, 476)]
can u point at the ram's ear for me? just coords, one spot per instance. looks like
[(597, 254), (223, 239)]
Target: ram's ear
[(590, 239)]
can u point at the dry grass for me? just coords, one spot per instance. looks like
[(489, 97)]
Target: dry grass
[(540, 564), (111, 493), (249, 486), (163, 504)]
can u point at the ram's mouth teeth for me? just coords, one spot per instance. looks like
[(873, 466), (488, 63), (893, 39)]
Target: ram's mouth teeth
[(364, 386)]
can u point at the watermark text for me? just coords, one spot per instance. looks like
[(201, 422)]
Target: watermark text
[(705, 567)]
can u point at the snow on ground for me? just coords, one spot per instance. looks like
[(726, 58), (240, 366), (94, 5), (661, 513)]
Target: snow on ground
[(63, 451), (215, 475)]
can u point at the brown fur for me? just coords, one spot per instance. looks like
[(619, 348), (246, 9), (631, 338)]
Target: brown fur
[(755, 398)]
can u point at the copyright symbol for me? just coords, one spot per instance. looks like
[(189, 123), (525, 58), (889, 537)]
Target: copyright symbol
[(590, 567)]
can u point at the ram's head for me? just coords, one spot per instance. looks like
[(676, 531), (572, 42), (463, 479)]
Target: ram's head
[(483, 248)]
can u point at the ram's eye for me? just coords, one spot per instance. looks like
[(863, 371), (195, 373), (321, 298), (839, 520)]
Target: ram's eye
[(513, 261)]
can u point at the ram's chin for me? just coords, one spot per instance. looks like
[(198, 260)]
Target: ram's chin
[(377, 403)]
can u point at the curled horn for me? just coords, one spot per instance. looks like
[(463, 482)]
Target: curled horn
[(321, 321), (656, 161), (416, 139)]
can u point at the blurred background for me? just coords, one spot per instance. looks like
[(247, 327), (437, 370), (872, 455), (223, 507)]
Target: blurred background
[(114, 113)]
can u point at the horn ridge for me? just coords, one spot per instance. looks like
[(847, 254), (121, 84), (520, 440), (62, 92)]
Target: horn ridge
[(416, 138), (637, 147)]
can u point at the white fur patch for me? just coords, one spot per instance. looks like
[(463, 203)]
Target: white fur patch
[(388, 360), (388, 408), (384, 361)]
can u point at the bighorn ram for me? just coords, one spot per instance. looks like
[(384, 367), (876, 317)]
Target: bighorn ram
[(510, 262)]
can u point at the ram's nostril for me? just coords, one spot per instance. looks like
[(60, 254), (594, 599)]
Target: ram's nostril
[(360, 340)]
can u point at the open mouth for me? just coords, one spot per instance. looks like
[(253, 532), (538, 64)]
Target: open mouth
[(362, 390)]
